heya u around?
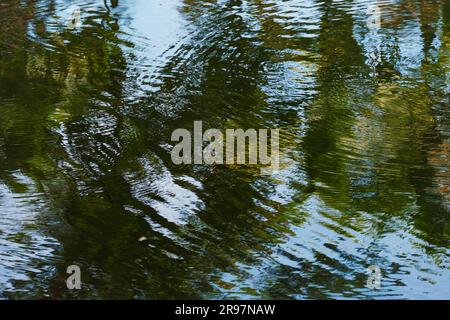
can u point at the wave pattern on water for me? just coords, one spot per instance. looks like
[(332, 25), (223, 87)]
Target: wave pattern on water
[(89, 103)]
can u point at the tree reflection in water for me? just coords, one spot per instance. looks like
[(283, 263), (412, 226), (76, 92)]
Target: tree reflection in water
[(85, 170)]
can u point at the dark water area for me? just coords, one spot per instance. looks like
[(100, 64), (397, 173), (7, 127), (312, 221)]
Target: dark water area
[(88, 103)]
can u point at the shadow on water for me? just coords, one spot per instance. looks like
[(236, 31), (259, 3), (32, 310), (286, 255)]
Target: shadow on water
[(89, 102)]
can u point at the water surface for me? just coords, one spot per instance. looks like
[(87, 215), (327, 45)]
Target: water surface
[(88, 106)]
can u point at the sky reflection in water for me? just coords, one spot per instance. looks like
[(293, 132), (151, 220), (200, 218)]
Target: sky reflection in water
[(85, 168)]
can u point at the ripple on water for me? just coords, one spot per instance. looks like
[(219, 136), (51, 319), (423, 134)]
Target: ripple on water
[(90, 107), (25, 251)]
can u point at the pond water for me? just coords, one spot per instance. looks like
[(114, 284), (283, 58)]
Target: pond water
[(90, 92)]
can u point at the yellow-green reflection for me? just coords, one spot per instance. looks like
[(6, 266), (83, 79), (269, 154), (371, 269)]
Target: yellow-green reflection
[(85, 172)]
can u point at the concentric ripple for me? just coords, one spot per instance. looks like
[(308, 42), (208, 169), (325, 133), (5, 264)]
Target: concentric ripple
[(90, 92)]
